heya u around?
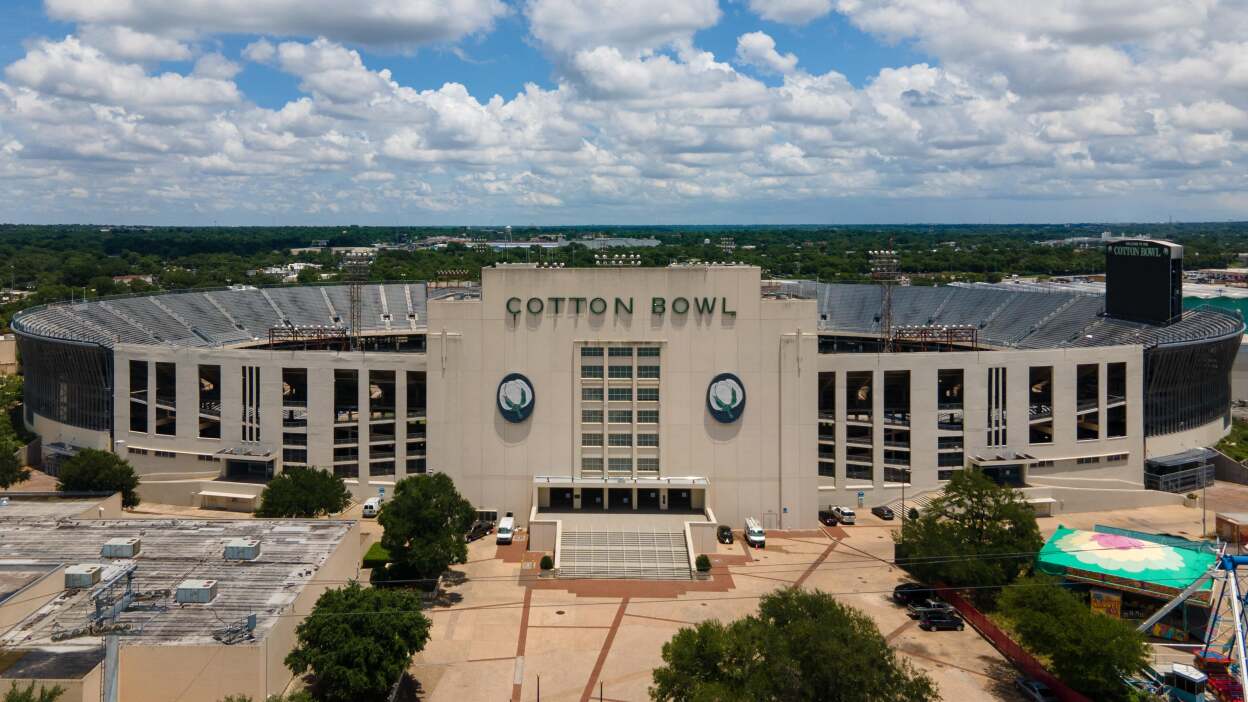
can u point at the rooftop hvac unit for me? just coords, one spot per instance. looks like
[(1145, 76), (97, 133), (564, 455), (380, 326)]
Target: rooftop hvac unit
[(242, 549), (121, 547), (80, 576), (196, 591)]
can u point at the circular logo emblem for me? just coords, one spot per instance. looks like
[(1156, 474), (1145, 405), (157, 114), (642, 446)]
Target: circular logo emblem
[(725, 398), (515, 397)]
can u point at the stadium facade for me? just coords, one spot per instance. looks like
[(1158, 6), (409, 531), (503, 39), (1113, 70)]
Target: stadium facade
[(631, 388)]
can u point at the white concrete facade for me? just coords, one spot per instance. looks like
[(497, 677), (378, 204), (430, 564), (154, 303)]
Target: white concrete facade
[(785, 458)]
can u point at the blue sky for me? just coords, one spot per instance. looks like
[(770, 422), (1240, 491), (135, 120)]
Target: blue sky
[(713, 111)]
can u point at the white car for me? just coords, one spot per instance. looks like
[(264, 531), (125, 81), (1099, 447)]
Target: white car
[(844, 515)]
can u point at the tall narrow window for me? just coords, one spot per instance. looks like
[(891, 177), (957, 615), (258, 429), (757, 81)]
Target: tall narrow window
[(251, 403), (1040, 405), (166, 399), (1116, 400), (858, 402), (381, 402), (210, 402), (346, 395), (1087, 402), (997, 425), (138, 396), (416, 394)]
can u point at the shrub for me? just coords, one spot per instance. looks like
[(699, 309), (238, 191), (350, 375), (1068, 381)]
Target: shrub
[(377, 557), (92, 470), (547, 562), (703, 563), (301, 493)]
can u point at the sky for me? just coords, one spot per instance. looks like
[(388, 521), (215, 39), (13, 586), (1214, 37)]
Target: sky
[(492, 112)]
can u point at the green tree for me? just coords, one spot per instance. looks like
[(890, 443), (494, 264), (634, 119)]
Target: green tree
[(1089, 651), (92, 470), (30, 694), (357, 641), (975, 533), (424, 526), (12, 471), (801, 646), (303, 492)]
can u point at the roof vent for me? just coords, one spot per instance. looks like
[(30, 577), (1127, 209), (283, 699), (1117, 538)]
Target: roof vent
[(121, 547), (80, 576), (242, 549), (196, 591)]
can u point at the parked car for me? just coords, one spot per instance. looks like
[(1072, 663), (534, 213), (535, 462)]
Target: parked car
[(928, 607), (506, 530), (372, 506), (479, 529), (942, 622), (754, 534), (1034, 690), (724, 534), (844, 515), (882, 511), (909, 593), (827, 518)]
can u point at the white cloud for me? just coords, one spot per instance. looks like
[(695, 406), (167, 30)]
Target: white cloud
[(791, 11), (629, 25), (128, 45), (377, 22), (70, 69), (759, 49), (1062, 103)]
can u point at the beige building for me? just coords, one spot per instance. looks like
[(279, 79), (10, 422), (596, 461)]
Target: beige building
[(621, 388), (8, 354), (201, 609)]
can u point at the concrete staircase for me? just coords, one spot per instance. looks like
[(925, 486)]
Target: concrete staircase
[(647, 555), (921, 501)]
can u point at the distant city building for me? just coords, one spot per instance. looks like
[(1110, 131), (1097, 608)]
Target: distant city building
[(8, 354), (145, 277)]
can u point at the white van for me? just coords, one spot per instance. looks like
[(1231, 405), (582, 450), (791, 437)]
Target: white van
[(754, 534), (506, 528), (372, 506)]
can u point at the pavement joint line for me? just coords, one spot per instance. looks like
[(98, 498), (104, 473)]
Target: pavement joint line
[(518, 685), (587, 694), (818, 562), (661, 619), (482, 660), (569, 626), (899, 631), (763, 577), (947, 664)]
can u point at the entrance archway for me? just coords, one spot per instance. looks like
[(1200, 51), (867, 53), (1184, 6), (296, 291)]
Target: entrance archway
[(620, 498), (648, 498), (679, 499)]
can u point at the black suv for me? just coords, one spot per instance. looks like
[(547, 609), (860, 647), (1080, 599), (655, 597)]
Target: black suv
[(724, 534), (826, 517), (942, 621), (909, 593), (479, 529)]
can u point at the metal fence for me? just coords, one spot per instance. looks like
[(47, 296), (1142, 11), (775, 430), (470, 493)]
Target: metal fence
[(1015, 653)]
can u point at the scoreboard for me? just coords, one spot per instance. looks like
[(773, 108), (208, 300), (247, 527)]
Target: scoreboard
[(1144, 280)]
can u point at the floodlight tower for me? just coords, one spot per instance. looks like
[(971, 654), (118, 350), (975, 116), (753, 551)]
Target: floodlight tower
[(884, 270), (355, 265)]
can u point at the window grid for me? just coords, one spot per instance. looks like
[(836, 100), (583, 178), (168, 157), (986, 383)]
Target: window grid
[(614, 362)]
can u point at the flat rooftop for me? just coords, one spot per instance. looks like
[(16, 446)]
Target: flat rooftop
[(43, 506), (15, 577), (171, 551)]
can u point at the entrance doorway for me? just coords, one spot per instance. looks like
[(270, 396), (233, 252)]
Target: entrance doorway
[(561, 498), (1011, 475), (620, 498), (591, 498), (680, 499), (648, 498), (242, 471)]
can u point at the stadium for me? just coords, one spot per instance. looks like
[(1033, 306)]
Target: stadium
[(621, 388)]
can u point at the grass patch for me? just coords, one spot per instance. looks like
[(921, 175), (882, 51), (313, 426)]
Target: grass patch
[(377, 556), (1235, 444)]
